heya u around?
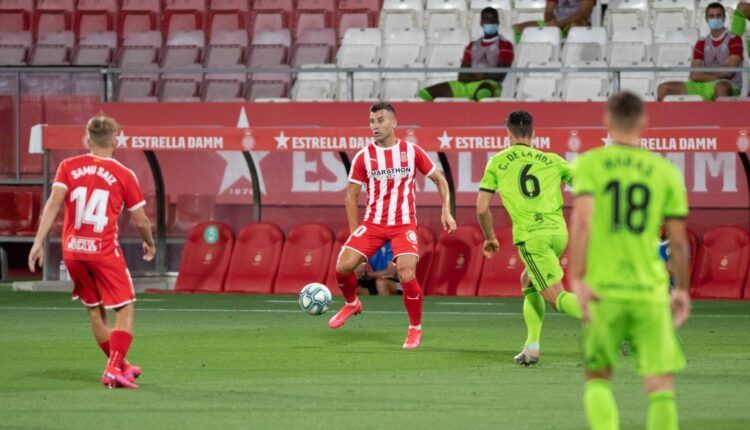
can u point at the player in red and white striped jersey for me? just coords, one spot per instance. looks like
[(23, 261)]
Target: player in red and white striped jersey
[(95, 188), (387, 168)]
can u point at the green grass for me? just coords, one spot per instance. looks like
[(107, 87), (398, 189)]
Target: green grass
[(254, 362)]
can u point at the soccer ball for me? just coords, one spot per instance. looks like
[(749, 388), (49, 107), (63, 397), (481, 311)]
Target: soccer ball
[(315, 298)]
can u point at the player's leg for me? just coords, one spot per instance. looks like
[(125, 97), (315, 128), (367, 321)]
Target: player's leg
[(599, 401), (84, 289), (722, 89), (670, 88), (533, 315), (100, 327), (443, 89), (406, 264), (386, 286), (662, 409)]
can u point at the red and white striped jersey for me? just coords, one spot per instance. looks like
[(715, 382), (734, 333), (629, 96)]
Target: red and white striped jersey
[(388, 175)]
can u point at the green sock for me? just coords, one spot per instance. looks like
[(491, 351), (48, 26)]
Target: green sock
[(533, 315), (738, 26), (425, 95), (600, 405), (567, 303), (662, 411)]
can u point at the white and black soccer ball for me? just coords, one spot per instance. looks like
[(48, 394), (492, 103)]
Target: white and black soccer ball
[(315, 298)]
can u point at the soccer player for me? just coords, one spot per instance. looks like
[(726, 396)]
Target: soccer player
[(95, 187), (528, 181), (620, 280), (387, 168)]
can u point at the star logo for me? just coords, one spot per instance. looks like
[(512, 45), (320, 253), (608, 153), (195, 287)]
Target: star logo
[(236, 167), (607, 140), (122, 140), (445, 140), (281, 141)]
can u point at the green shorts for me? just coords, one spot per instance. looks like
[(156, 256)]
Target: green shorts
[(541, 256), (707, 89), (647, 326), (470, 90)]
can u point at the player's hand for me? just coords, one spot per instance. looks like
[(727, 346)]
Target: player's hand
[(490, 248), (585, 295), (149, 251), (449, 224), (36, 256), (680, 306)]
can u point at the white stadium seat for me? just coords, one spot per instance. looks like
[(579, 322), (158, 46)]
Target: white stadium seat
[(537, 88), (640, 83), (445, 14), (631, 45), (671, 14), (401, 86), (400, 14), (626, 14), (584, 88), (584, 44)]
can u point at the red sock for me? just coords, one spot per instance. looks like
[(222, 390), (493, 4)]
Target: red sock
[(348, 286), (413, 301), (120, 343), (105, 347)]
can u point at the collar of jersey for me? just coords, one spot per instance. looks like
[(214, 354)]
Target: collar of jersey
[(98, 156), (398, 141)]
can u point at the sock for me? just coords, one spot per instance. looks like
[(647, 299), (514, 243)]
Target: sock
[(533, 315), (567, 303), (119, 342), (413, 301), (105, 347), (662, 411), (600, 405), (738, 26), (348, 286), (425, 95)]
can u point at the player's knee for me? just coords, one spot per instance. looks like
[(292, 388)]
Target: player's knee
[(723, 89), (406, 274), (658, 383), (598, 374), (343, 269)]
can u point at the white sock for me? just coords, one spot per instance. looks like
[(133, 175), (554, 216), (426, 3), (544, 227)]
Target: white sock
[(533, 347), (354, 303), (418, 327)]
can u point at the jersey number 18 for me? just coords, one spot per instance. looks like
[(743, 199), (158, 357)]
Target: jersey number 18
[(635, 198)]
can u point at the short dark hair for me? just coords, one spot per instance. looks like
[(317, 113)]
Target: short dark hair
[(492, 11), (625, 109), (716, 5), (383, 106), (520, 123)]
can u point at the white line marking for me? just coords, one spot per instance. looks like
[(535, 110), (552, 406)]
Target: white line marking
[(281, 301), (467, 304), (273, 311)]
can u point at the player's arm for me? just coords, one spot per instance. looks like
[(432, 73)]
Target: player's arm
[(580, 229), (352, 207), (549, 12), (51, 209), (449, 224), (484, 216), (701, 76), (679, 261), (582, 14), (143, 225)]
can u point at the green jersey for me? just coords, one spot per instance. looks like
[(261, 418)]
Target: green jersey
[(528, 181), (634, 190)]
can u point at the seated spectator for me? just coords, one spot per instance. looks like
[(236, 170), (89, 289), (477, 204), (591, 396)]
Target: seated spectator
[(741, 14), (381, 277), (563, 14), (721, 48), (492, 50)]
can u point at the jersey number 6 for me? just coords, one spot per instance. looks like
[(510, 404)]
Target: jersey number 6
[(529, 183)]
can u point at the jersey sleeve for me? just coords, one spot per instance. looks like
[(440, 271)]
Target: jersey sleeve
[(736, 47), (358, 171), (583, 172), (61, 177), (698, 50), (566, 170), (675, 203), (133, 195), (490, 182), (422, 161)]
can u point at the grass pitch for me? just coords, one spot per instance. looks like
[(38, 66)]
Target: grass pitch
[(259, 362)]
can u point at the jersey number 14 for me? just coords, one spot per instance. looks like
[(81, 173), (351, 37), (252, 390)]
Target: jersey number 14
[(92, 210)]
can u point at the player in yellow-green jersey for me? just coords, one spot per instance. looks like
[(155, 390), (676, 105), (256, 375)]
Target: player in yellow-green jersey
[(623, 195), (529, 183)]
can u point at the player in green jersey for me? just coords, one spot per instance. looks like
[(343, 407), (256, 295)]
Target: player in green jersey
[(529, 183), (623, 195)]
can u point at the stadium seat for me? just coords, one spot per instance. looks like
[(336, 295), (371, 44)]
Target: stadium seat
[(331, 282), (401, 86), (442, 14), (501, 274), (95, 49), (446, 47), (183, 49), (366, 87), (305, 258), (220, 87), (584, 44), (537, 88), (630, 45), (722, 263), (458, 263), (183, 15), (404, 48), (640, 83), (687, 35), (623, 14), (503, 8), (180, 87), (192, 209), (226, 49), (270, 49), (671, 14), (138, 16), (52, 49), (16, 211), (313, 15), (673, 53), (15, 15), (528, 10), (584, 88), (36, 212), (140, 48), (356, 14), (205, 258), (255, 259), (94, 16), (683, 98), (135, 89), (14, 47), (426, 239), (53, 16), (315, 86), (314, 47), (401, 14), (268, 86), (361, 47), (226, 15), (269, 15)]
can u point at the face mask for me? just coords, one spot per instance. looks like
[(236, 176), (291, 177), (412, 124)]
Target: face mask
[(490, 29), (715, 23)]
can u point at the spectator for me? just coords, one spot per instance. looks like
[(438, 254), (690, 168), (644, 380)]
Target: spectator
[(720, 48), (562, 14), (492, 50), (381, 277)]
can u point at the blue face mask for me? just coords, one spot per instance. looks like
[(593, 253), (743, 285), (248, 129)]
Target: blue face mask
[(715, 23), (490, 29)]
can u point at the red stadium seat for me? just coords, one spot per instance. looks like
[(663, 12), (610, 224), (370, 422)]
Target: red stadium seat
[(341, 238), (458, 263), (314, 47), (183, 15), (255, 259), (226, 49), (268, 85), (305, 258), (205, 258), (52, 49), (192, 209), (15, 15), (138, 16), (723, 259), (372, 6), (183, 49), (94, 16), (226, 15), (16, 211), (694, 245), (502, 273), (52, 16), (36, 212), (426, 240), (313, 15), (141, 47), (95, 49), (356, 14), (14, 47)]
